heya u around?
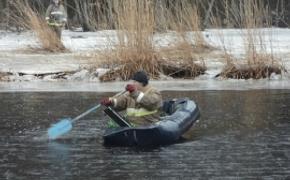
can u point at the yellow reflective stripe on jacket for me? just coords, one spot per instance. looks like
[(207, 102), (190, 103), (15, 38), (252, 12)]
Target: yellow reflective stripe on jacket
[(55, 24), (133, 112)]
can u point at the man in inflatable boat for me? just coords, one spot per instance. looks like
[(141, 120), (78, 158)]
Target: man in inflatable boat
[(141, 101)]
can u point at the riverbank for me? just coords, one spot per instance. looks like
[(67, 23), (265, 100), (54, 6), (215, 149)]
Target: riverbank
[(21, 63), (167, 85)]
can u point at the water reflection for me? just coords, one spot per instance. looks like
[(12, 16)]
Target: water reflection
[(249, 111), (240, 134)]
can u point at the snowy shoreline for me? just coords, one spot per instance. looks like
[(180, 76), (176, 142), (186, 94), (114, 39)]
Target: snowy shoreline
[(168, 85), (24, 66)]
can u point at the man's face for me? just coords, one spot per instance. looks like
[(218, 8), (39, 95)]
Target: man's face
[(137, 84)]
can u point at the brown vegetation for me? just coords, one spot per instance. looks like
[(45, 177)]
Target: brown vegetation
[(99, 14), (257, 62), (31, 19), (4, 76), (263, 67), (136, 22), (135, 49)]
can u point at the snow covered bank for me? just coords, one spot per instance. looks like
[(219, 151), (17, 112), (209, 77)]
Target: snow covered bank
[(275, 40), (16, 61), (168, 85)]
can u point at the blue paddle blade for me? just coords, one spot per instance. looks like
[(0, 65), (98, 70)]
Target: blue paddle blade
[(59, 129)]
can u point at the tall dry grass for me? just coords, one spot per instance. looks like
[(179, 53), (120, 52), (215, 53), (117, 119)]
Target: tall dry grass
[(135, 49), (186, 22), (33, 20), (254, 16), (258, 62), (95, 15), (183, 57)]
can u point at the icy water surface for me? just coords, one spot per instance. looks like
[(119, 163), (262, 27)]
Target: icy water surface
[(241, 135)]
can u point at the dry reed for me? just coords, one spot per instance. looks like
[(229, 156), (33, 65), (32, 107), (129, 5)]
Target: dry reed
[(186, 21), (258, 63), (136, 22), (263, 68), (31, 19), (183, 57), (135, 50)]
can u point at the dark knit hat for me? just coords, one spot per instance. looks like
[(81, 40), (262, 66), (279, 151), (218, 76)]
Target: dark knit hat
[(141, 77)]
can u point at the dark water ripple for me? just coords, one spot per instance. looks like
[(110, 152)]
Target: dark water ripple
[(241, 135)]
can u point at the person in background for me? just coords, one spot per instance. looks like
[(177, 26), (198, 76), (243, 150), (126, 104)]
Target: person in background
[(56, 16), (142, 102)]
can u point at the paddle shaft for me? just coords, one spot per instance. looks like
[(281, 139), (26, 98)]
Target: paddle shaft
[(92, 109), (86, 113), (65, 125)]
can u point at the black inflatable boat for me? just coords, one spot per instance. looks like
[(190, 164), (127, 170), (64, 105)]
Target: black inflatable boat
[(179, 116)]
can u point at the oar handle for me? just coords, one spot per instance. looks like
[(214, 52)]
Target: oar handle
[(120, 93), (86, 113)]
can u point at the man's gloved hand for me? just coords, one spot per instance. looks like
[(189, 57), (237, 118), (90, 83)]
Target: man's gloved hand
[(131, 88), (106, 102)]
